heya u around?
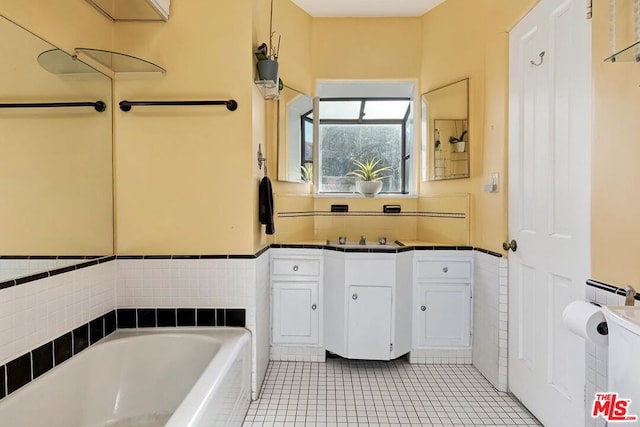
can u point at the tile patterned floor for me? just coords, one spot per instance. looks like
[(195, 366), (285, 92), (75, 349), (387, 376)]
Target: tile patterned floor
[(365, 393)]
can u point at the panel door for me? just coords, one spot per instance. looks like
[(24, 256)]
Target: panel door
[(443, 315), (549, 189), (369, 323), (295, 313)]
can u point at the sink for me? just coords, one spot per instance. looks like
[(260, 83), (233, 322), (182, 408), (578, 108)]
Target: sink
[(624, 353), (356, 245)]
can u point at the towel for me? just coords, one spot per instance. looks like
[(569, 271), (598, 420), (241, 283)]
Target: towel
[(265, 205)]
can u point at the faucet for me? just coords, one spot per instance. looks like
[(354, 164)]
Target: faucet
[(363, 240), (630, 297)]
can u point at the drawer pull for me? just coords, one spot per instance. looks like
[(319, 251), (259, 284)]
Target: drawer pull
[(445, 269), (423, 308), (354, 297), (295, 268), (313, 307)]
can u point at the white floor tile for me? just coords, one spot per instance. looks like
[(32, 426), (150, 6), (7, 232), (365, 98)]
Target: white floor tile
[(369, 393)]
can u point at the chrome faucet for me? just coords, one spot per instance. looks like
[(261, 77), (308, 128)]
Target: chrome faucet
[(363, 240), (630, 297)]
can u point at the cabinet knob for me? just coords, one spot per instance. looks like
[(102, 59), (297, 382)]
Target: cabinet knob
[(354, 296), (295, 268), (445, 269), (423, 308), (313, 307)]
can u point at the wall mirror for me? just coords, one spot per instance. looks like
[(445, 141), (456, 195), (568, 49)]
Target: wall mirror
[(55, 163), (445, 132), (295, 136)]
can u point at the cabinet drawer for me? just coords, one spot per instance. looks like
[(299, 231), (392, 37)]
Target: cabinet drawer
[(296, 267), (443, 269)]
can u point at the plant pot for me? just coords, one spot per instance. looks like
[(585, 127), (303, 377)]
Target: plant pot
[(268, 70), (369, 188), (460, 146)]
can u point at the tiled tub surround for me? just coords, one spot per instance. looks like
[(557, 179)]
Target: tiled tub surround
[(23, 267), (27, 367), (178, 282), (596, 379), (35, 310), (34, 313)]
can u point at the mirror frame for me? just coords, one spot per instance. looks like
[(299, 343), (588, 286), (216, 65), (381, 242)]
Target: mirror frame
[(428, 157)]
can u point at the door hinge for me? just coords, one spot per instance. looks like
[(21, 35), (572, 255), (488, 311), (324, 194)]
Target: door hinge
[(589, 9), (391, 347)]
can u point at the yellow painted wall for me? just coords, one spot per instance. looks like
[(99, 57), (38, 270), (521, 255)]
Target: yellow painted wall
[(468, 38), (615, 204), (186, 177), (366, 48), (67, 24), (55, 164)]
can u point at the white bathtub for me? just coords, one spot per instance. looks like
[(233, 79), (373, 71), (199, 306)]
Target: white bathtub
[(174, 377)]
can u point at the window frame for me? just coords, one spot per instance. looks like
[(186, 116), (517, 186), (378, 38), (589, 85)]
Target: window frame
[(405, 155)]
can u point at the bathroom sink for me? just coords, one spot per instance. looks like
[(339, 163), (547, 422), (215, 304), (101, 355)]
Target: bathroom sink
[(356, 245), (627, 317)]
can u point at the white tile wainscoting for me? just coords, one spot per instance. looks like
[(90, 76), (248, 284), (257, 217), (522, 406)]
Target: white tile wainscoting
[(34, 313), (38, 311), (217, 282)]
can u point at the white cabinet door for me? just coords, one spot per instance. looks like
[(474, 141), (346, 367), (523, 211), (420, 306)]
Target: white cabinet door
[(295, 313), (444, 315), (369, 323)]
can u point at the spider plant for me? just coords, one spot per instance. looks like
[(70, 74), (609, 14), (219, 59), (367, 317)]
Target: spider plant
[(368, 170)]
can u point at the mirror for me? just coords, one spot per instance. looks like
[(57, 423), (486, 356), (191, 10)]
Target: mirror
[(445, 132), (295, 136), (55, 163)]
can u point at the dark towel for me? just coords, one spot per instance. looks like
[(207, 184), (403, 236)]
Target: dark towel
[(265, 205)]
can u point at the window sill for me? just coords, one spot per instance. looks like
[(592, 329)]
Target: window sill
[(360, 196)]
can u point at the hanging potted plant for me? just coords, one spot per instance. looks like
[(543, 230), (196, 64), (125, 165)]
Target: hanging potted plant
[(268, 56), (369, 176)]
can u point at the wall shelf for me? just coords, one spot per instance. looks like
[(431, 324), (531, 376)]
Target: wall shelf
[(268, 88), (628, 54)]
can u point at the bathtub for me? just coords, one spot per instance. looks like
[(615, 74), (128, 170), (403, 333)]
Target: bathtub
[(174, 377)]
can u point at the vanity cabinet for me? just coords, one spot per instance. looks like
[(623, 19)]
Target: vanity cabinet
[(296, 297), (367, 300), (442, 302)]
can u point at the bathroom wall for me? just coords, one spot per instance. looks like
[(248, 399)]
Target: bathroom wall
[(615, 206), (186, 177), (465, 38)]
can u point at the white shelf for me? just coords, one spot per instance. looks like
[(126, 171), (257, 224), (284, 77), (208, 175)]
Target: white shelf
[(268, 88)]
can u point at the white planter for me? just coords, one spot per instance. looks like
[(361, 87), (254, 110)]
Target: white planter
[(368, 188), (460, 146)]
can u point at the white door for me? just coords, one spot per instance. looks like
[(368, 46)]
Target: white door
[(549, 202), (444, 315), (295, 313), (369, 323)]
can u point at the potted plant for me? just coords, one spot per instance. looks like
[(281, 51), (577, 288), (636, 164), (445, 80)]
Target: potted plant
[(268, 55), (369, 176), (306, 172)]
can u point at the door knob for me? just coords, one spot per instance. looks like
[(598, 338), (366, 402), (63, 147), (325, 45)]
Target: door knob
[(513, 245)]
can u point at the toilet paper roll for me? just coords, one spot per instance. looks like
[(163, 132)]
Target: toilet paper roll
[(583, 319)]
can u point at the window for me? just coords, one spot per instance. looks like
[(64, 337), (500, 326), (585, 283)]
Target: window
[(362, 129)]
